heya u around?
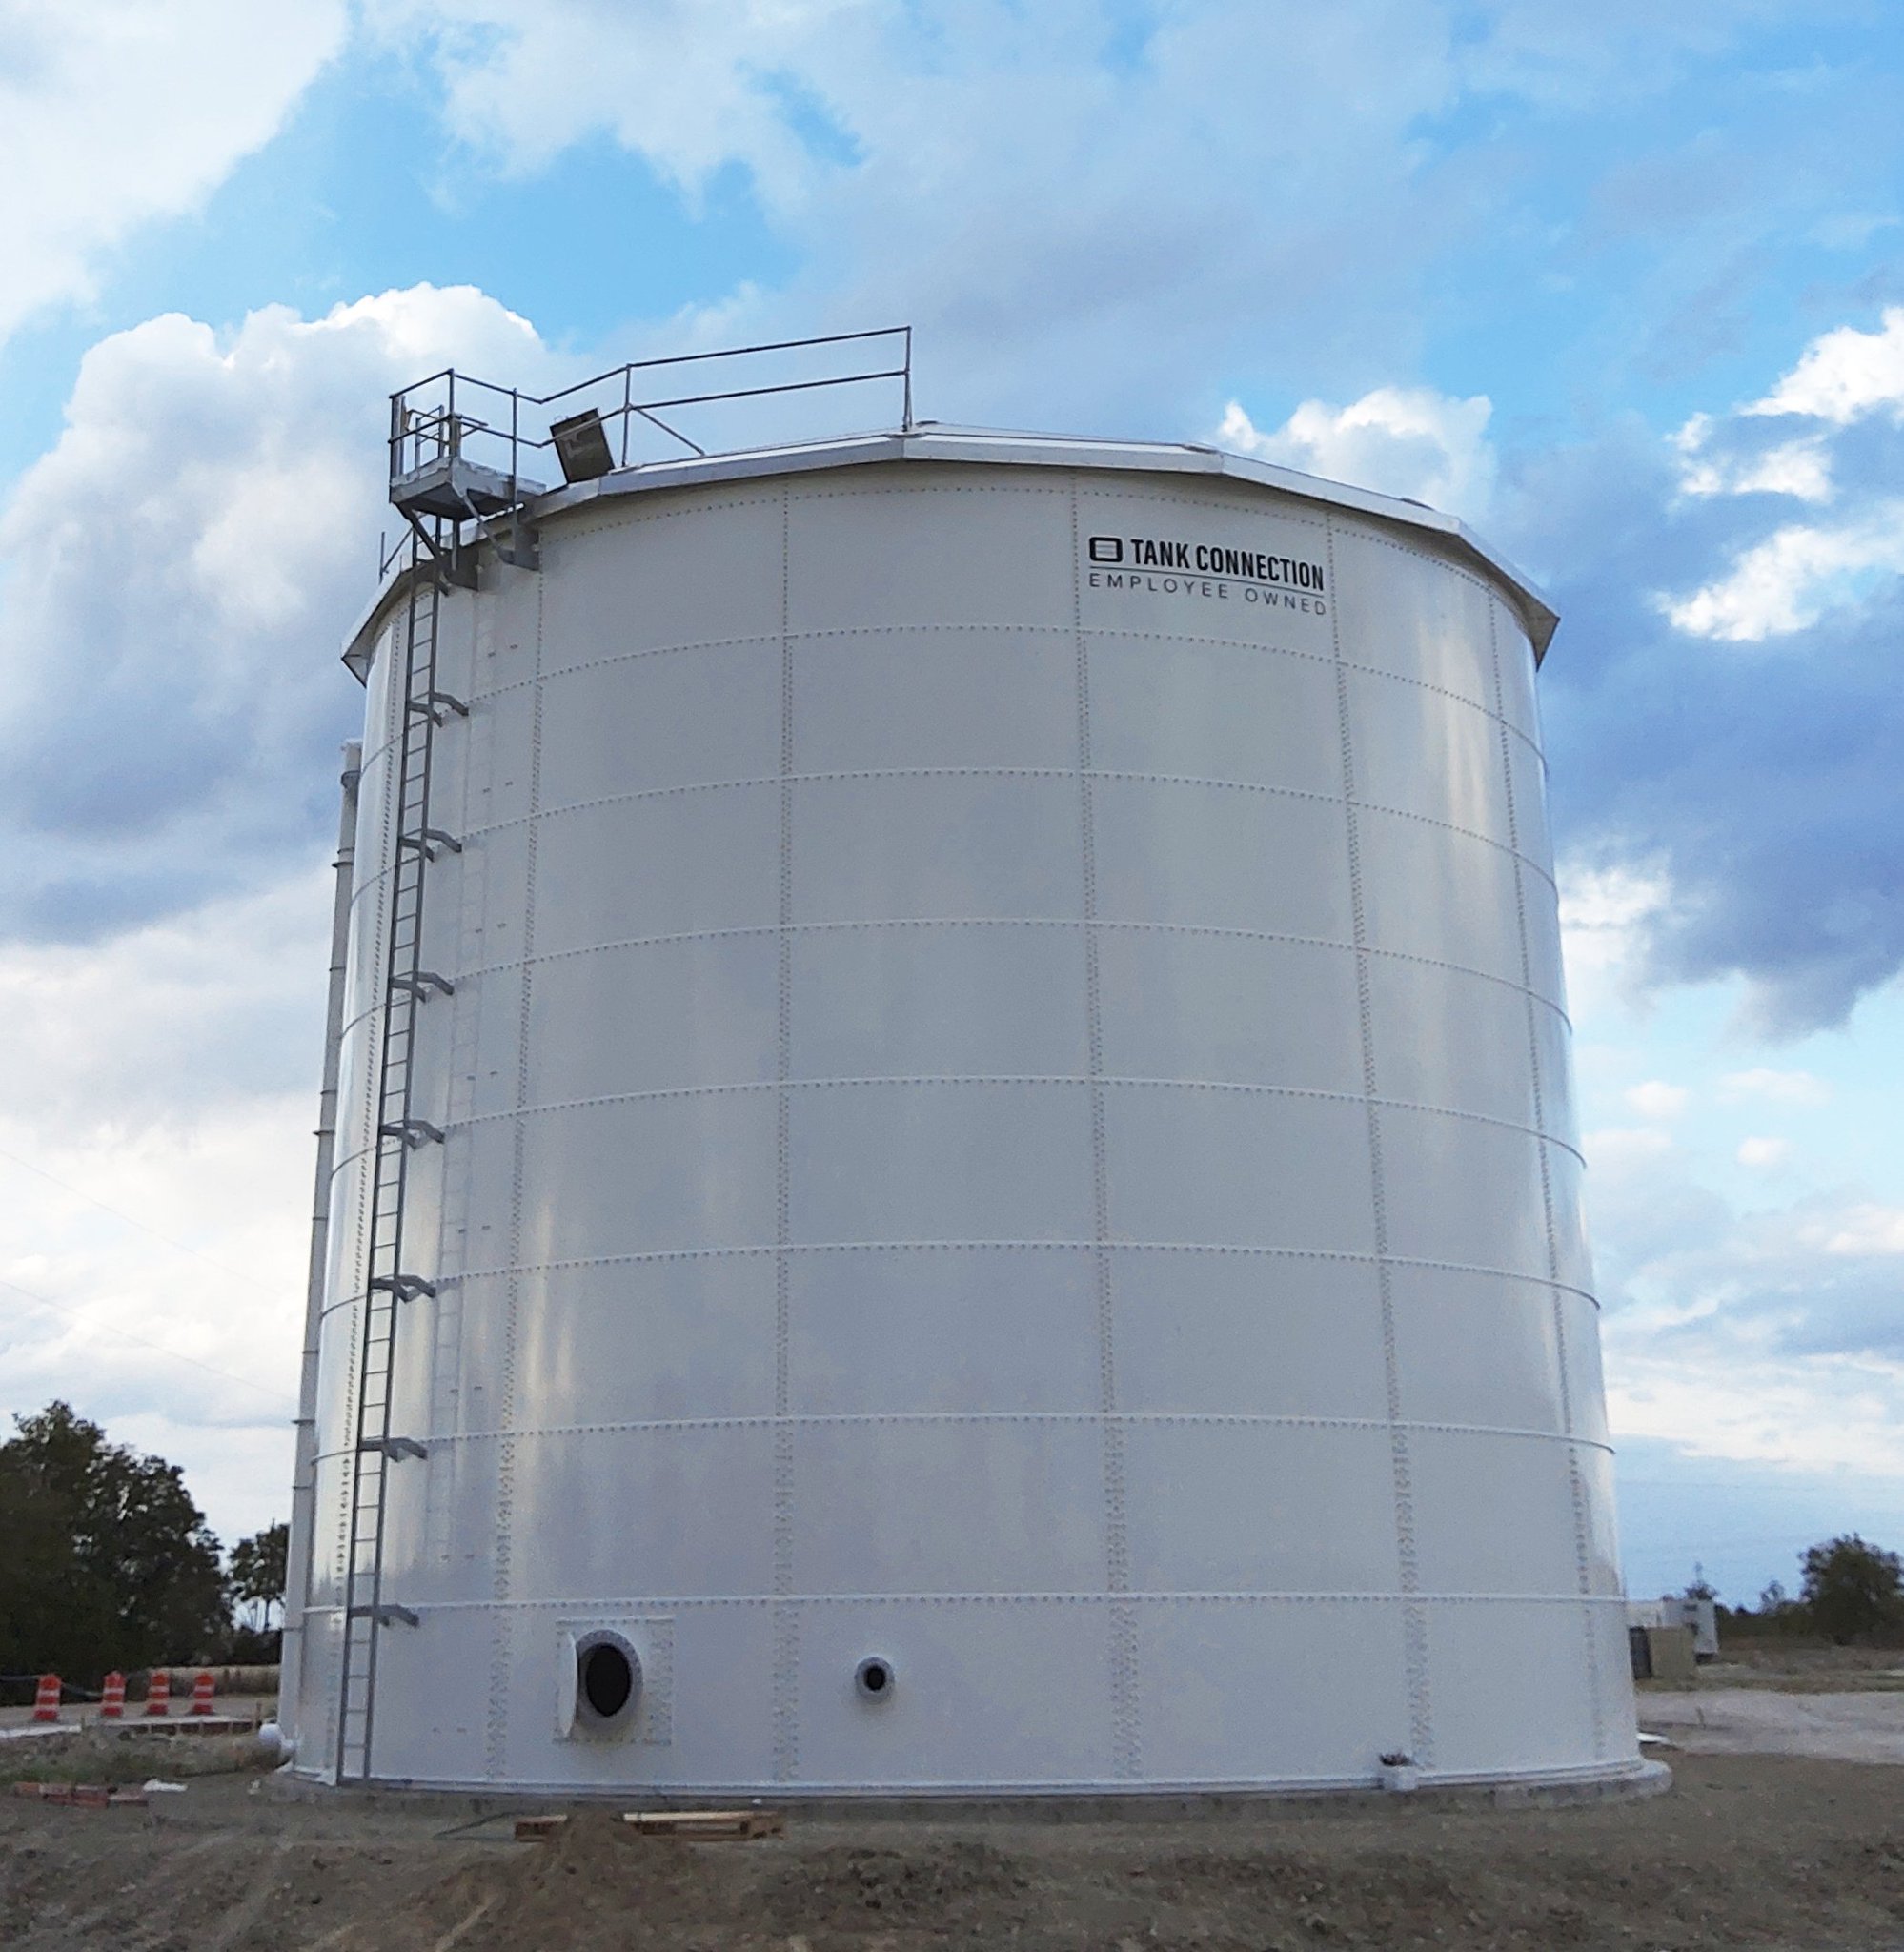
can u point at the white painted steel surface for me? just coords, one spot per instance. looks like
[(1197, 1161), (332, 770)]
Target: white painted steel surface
[(1008, 1111)]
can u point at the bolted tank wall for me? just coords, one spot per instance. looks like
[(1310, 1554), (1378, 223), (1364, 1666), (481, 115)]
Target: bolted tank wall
[(1008, 1215)]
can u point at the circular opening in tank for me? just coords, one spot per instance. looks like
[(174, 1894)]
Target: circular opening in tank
[(874, 1677), (607, 1678)]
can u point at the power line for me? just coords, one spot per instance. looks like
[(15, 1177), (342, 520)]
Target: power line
[(158, 1348), (92, 1199)]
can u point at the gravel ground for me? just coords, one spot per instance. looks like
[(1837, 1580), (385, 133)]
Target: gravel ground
[(1861, 1727), (1780, 1852)]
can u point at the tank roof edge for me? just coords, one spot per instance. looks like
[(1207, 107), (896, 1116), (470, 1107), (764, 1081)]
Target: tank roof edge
[(930, 442)]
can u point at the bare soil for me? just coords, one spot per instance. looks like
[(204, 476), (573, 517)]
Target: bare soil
[(1746, 1851)]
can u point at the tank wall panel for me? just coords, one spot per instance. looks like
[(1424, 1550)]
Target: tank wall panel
[(939, 1000), (1516, 1692), (1517, 1388), (935, 846), (1235, 1506), (645, 723), (1248, 1335), (1212, 710), (1220, 1684), (1446, 1038), (942, 1332), (1057, 1715), (875, 699), (1227, 1008)]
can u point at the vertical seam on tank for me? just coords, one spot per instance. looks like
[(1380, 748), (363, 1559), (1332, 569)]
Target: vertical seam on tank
[(1401, 1465), (1126, 1734), (786, 1618), (1576, 1486), (501, 1642)]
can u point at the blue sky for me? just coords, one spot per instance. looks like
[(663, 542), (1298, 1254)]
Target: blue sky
[(1623, 285)]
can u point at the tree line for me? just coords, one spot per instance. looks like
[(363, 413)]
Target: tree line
[(1849, 1590), (105, 1562)]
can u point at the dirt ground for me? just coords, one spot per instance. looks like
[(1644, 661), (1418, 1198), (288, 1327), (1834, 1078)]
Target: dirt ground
[(1746, 1851)]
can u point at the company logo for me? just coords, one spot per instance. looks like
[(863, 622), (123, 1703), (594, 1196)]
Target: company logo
[(1213, 570)]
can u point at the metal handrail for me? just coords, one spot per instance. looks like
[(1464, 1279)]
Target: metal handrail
[(441, 429)]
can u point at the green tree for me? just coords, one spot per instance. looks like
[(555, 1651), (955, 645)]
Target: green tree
[(257, 1572), (1853, 1588), (105, 1561)]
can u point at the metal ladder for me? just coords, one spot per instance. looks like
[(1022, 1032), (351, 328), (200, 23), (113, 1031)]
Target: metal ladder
[(388, 1284)]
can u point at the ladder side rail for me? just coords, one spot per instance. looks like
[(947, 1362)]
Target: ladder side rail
[(395, 1108), (403, 951)]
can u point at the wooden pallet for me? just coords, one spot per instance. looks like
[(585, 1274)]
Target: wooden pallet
[(704, 1826)]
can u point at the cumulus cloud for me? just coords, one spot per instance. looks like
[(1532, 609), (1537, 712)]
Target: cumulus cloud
[(1844, 374), (181, 568), (1606, 914), (1777, 826), (1409, 441), (1788, 582), (1784, 580), (117, 111)]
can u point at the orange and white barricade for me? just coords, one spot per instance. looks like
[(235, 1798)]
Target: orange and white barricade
[(201, 1694), (158, 1692), (46, 1699), (113, 1697)]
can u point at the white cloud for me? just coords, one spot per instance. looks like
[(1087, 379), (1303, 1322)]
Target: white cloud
[(1763, 1154), (170, 1076), (1786, 583), (1827, 1414), (180, 570), (1401, 440), (114, 113), (1077, 203), (1779, 1086), (1604, 915), (1801, 468), (686, 86), (1656, 1099), (1844, 374), (1868, 1228)]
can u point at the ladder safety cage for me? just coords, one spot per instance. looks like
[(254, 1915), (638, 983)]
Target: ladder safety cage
[(461, 450)]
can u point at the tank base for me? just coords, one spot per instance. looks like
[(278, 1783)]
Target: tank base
[(1236, 1804)]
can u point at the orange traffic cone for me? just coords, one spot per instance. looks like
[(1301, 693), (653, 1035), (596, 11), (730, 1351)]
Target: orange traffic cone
[(113, 1697), (46, 1699), (158, 1692), (201, 1694)]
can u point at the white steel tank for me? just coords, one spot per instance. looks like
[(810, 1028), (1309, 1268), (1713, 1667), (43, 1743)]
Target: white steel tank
[(996, 1162)]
